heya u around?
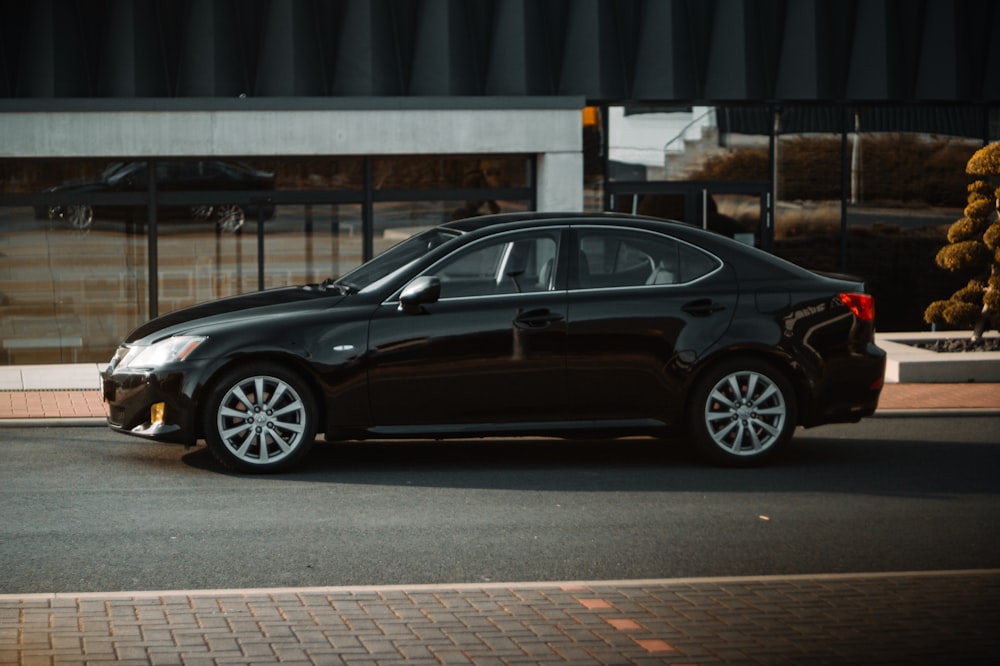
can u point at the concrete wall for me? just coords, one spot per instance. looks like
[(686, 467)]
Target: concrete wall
[(554, 134)]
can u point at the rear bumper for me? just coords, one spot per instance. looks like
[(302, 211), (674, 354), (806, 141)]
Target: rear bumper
[(849, 390)]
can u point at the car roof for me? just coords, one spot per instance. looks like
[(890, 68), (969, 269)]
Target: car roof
[(690, 232), (723, 246), (481, 222)]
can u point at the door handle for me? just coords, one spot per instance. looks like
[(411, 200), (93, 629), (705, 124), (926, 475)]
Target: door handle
[(536, 318), (702, 307)]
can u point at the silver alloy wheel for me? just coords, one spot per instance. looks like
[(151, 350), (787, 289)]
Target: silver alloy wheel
[(229, 217), (262, 420), (80, 217), (202, 213), (745, 413)]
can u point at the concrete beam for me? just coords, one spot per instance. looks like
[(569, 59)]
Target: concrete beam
[(228, 133), (560, 182)]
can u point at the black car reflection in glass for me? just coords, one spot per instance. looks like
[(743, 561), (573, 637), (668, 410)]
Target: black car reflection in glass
[(520, 324), (201, 176)]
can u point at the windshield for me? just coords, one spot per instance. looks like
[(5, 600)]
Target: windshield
[(117, 171), (396, 257)]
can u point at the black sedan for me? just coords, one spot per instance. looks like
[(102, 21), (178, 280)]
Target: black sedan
[(522, 324), (193, 177)]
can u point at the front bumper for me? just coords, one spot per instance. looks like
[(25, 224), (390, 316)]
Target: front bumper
[(131, 394)]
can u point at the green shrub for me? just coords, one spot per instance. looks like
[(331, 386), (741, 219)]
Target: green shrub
[(973, 246)]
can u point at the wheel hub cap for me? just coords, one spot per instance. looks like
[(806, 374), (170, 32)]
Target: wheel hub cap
[(261, 420), (745, 413)]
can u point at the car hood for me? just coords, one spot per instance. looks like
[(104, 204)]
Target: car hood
[(78, 186), (234, 308)]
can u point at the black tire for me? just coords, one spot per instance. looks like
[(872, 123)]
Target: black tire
[(743, 411), (260, 419)]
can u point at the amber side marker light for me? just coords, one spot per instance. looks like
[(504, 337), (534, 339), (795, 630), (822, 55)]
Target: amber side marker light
[(156, 413), (862, 305)]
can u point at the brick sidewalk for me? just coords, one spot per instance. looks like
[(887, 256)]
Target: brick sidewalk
[(51, 404), (940, 396), (917, 618)]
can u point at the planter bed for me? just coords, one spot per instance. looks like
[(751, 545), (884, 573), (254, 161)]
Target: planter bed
[(908, 363)]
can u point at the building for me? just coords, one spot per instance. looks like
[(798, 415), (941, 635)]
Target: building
[(291, 139)]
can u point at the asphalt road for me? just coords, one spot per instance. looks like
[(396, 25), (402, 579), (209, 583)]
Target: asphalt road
[(84, 509)]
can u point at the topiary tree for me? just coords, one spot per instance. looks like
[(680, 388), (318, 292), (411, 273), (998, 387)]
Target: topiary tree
[(974, 246)]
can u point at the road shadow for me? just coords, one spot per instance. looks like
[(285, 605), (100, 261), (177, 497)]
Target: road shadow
[(813, 462), (449, 462)]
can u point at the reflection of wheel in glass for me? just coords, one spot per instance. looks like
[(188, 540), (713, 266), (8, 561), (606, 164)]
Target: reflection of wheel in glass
[(80, 217), (202, 213), (229, 217)]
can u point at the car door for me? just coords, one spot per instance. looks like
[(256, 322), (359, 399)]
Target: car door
[(491, 349), (642, 307)]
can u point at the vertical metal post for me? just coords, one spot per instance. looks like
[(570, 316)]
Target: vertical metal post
[(151, 236), (856, 161), (532, 167), (767, 214), (767, 233), (308, 234), (773, 150), (844, 185), (368, 213), (704, 209), (260, 245), (608, 200)]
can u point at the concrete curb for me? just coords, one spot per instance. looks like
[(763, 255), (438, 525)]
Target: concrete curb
[(52, 422), (516, 585)]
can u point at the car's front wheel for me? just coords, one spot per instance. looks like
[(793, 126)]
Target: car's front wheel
[(202, 213), (260, 419), (743, 412), (80, 217)]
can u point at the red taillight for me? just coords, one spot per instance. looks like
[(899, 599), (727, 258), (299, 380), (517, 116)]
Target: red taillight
[(862, 305)]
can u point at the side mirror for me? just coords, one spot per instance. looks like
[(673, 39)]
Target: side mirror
[(424, 289)]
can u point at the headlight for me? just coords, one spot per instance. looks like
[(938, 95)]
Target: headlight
[(165, 351)]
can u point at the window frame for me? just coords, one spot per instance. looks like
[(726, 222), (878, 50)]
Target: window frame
[(509, 240), (582, 231)]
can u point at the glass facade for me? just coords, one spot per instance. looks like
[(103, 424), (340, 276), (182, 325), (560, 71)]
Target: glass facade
[(308, 243), (91, 248), (869, 191), (64, 293), (905, 190)]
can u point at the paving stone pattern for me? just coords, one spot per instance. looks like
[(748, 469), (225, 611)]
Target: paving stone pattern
[(919, 618)]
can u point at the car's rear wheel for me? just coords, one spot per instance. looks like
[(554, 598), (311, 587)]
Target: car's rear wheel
[(229, 217), (260, 419), (743, 412)]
